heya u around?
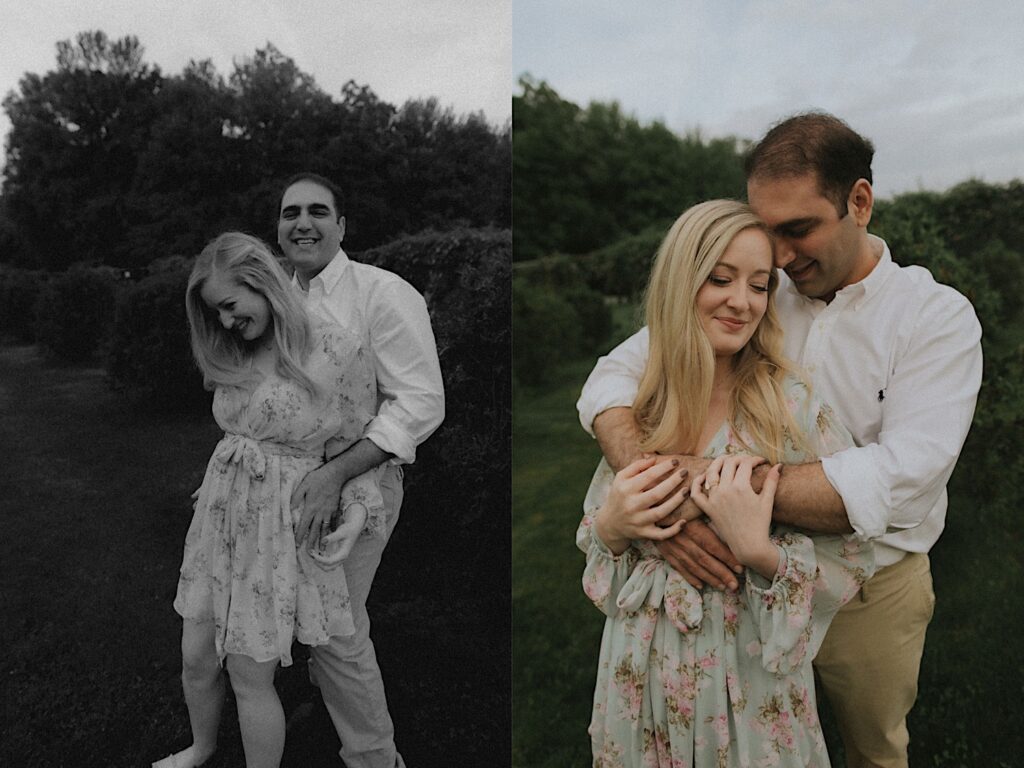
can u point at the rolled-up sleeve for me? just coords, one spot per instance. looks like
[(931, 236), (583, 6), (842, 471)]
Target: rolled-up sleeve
[(408, 372), (614, 380), (894, 483)]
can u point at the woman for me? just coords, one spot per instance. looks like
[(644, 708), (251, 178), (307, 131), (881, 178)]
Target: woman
[(710, 677), (284, 387)]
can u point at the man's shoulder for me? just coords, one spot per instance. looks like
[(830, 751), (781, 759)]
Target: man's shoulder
[(919, 289), (378, 278)]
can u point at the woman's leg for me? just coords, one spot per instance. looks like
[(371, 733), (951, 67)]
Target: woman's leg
[(203, 681), (260, 715)]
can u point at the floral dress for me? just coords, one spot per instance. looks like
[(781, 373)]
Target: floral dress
[(241, 567), (709, 677)]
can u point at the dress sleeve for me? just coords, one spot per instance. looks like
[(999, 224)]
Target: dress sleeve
[(816, 577), (605, 573)]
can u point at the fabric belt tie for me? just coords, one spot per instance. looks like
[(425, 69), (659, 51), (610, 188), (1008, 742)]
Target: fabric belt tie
[(655, 583), (252, 453)]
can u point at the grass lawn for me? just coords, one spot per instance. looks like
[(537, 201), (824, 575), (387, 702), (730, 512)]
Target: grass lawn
[(971, 700), (95, 505)]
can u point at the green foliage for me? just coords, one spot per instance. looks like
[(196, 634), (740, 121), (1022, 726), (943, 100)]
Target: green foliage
[(19, 291), (583, 178), (556, 315), (150, 358), (75, 311), (111, 161)]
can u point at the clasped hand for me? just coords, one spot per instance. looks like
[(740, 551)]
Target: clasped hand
[(317, 495), (740, 515), (641, 495)]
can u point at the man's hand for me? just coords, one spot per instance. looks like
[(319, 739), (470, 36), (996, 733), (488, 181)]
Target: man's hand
[(317, 494), (701, 557)]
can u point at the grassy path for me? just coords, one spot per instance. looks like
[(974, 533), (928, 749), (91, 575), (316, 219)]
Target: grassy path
[(94, 502)]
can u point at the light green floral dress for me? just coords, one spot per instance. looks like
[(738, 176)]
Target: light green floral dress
[(241, 567), (709, 677)]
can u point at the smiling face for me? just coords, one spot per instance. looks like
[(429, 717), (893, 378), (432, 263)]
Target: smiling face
[(734, 298), (239, 309), (819, 251), (309, 229)]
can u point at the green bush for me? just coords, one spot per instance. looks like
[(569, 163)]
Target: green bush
[(75, 311), (149, 357), (19, 291), (546, 331)]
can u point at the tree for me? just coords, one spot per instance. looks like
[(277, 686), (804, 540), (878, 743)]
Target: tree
[(72, 150)]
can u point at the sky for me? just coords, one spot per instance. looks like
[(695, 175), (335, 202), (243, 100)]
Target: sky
[(456, 50), (937, 85)]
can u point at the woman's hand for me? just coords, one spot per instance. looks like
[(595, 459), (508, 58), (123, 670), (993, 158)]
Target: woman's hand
[(741, 516), (642, 494), (332, 549)]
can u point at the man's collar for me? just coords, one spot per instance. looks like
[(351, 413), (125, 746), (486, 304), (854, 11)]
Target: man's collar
[(331, 274), (862, 289)]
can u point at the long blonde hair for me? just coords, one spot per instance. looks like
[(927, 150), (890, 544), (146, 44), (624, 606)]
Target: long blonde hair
[(674, 395), (222, 356)]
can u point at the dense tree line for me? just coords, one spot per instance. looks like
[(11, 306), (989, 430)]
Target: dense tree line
[(110, 161), (583, 178)]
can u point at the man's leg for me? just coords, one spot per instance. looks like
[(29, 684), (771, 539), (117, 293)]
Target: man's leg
[(870, 659), (346, 668)]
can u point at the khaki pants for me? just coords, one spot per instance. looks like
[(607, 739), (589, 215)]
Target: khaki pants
[(870, 659), (345, 670)]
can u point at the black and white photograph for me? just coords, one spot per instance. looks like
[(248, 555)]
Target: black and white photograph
[(255, 384)]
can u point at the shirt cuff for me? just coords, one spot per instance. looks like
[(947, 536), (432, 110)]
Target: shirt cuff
[(852, 472), (390, 437)]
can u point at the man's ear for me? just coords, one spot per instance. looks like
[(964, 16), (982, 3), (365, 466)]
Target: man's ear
[(341, 226), (861, 202)]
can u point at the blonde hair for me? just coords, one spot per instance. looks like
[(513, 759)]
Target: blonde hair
[(222, 356), (674, 395)]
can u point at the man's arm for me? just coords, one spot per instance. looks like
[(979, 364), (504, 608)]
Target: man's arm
[(408, 374)]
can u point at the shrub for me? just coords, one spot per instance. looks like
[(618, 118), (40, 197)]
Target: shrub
[(150, 358), (545, 331), (19, 291), (460, 485), (75, 311)]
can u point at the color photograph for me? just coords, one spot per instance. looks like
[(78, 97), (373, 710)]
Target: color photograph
[(767, 411)]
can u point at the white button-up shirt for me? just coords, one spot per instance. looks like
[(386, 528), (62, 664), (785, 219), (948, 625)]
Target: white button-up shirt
[(898, 357), (390, 318)]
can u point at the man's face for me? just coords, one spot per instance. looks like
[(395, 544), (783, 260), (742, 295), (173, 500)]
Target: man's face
[(819, 251), (309, 229)]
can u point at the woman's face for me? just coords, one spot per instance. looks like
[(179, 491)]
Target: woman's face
[(734, 298), (240, 309)]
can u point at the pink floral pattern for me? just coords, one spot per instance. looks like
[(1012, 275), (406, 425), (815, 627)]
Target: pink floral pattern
[(241, 568), (711, 678)]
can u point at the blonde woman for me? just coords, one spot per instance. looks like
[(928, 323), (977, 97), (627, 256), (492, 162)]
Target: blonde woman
[(712, 677), (286, 391)]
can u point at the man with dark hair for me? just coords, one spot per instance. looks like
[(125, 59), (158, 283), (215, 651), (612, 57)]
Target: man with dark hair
[(898, 356), (390, 318)]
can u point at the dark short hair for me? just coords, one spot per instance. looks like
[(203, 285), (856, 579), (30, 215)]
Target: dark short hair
[(316, 178), (818, 143)]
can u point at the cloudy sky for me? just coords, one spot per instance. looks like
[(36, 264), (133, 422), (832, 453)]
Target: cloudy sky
[(456, 50), (938, 85)]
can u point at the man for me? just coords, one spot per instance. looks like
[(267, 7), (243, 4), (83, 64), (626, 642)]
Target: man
[(898, 356), (390, 318)]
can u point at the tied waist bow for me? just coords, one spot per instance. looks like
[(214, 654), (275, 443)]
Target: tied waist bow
[(252, 453), (654, 583)]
